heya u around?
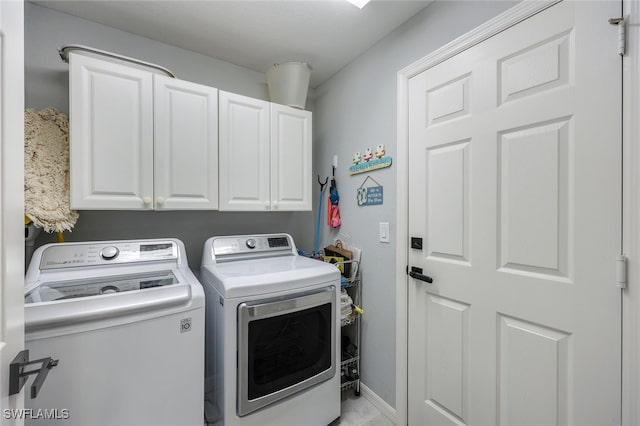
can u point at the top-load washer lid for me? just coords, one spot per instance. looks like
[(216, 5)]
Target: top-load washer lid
[(60, 290), (74, 284), (249, 265)]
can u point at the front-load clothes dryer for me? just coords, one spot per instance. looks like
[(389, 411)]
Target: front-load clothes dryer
[(125, 320), (272, 334)]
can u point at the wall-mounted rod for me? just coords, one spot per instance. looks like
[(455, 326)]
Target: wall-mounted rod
[(64, 55)]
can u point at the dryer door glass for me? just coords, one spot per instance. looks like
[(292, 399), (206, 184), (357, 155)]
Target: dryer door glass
[(288, 349)]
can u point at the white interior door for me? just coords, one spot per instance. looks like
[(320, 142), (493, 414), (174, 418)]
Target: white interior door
[(11, 200), (515, 183)]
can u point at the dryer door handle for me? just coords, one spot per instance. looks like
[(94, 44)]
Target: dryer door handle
[(257, 310)]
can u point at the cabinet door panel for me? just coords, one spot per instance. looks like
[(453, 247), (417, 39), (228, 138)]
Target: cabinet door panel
[(290, 158), (186, 145), (111, 135), (244, 153)]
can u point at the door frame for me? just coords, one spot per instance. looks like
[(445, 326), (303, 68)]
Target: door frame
[(631, 199), (11, 198)]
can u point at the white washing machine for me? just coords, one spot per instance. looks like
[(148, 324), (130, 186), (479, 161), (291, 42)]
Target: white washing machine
[(272, 334), (125, 320)]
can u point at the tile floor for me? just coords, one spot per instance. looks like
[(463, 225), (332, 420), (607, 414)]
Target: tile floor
[(358, 411)]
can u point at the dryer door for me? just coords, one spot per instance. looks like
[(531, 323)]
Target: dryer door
[(285, 346)]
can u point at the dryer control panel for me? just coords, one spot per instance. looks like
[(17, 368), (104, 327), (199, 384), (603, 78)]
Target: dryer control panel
[(243, 246), (73, 255)]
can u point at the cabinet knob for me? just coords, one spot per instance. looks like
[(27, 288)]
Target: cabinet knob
[(146, 200), (275, 204), (267, 204), (160, 201)]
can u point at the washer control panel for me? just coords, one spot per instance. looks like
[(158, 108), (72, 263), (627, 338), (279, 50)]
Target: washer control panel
[(71, 255), (273, 244)]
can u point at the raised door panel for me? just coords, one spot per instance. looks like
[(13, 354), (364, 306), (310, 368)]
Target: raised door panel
[(290, 158), (186, 145), (534, 373), (244, 153), (111, 135)]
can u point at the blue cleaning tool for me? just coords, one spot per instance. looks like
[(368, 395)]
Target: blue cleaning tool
[(316, 248)]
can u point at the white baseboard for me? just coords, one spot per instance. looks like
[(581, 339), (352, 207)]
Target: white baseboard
[(382, 406)]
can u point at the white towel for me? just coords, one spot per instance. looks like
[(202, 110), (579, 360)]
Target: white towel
[(345, 305)]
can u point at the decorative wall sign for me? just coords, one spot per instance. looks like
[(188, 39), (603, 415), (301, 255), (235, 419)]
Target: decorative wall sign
[(369, 196), (369, 161)]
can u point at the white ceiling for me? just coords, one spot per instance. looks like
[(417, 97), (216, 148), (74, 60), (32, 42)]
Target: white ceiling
[(328, 34)]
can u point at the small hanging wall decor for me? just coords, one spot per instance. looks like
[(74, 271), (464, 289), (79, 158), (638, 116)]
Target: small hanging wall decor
[(369, 161), (371, 195)]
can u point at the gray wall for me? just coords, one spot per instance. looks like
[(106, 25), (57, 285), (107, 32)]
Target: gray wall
[(47, 77), (356, 109), (46, 81)]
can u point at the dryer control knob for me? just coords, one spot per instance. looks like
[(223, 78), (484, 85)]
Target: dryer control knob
[(109, 253), (251, 243)]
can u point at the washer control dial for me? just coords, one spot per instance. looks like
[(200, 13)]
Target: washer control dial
[(109, 253), (251, 243)]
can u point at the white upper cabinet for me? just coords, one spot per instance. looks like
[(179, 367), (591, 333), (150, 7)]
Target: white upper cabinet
[(143, 141), (111, 135), (290, 158), (121, 118), (186, 145), (244, 153), (265, 155)]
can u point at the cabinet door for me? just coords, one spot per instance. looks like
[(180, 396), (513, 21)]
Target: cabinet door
[(186, 145), (290, 158), (111, 135), (244, 153)]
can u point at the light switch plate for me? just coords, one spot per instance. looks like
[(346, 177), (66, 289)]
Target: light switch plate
[(384, 232)]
